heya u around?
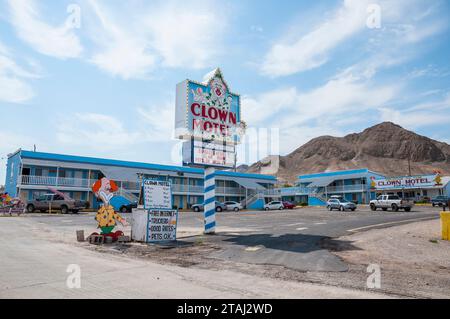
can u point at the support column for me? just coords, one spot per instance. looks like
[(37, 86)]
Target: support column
[(209, 195)]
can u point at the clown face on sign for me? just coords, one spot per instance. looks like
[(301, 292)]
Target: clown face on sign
[(219, 93)]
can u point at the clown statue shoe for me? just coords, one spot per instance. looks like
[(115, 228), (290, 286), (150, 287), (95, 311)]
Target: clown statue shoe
[(106, 216)]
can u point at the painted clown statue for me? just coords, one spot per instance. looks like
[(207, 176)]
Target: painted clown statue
[(106, 216)]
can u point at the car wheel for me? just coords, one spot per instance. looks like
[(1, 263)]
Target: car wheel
[(219, 209), (64, 209), (236, 209), (373, 207), (342, 209), (123, 209), (196, 209), (30, 208), (329, 208), (395, 207), (266, 208), (432, 205)]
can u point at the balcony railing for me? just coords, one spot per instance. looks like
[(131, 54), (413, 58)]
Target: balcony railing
[(55, 181), (131, 186), (345, 188)]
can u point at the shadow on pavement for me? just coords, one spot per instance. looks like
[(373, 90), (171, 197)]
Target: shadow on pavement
[(297, 243), (302, 252)]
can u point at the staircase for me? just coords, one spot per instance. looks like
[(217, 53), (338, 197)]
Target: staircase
[(249, 200), (317, 198)]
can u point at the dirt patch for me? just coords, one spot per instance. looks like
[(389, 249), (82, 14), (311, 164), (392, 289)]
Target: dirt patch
[(412, 258)]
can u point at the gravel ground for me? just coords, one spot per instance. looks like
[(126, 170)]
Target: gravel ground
[(413, 259)]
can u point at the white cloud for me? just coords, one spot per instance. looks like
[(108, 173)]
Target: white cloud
[(413, 119), (56, 41), (342, 95), (168, 34), (310, 50), (97, 131), (14, 88), (122, 51), (158, 122), (429, 113), (403, 23), (187, 35), (340, 103)]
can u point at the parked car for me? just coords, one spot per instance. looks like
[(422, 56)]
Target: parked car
[(200, 207), (235, 206), (274, 205), (391, 201), (55, 202), (340, 204), (441, 201), (288, 205), (122, 204)]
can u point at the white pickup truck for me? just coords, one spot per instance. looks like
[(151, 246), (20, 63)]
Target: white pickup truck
[(393, 202)]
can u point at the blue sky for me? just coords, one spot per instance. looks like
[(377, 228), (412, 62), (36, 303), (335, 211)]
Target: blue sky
[(106, 86)]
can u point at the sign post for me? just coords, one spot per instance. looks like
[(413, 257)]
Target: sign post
[(210, 200), (208, 118)]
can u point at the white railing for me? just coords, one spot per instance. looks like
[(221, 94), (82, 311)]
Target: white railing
[(314, 190), (127, 186), (345, 188), (55, 181), (179, 188)]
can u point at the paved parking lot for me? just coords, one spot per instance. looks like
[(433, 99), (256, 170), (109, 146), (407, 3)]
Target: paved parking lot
[(290, 238)]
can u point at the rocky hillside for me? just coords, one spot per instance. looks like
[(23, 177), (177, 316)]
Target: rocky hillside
[(383, 148)]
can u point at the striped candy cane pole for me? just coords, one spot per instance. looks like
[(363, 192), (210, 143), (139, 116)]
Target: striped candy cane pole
[(210, 200)]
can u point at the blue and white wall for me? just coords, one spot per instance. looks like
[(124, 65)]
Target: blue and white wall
[(13, 167)]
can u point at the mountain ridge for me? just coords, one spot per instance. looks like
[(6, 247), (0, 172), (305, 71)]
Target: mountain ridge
[(384, 148)]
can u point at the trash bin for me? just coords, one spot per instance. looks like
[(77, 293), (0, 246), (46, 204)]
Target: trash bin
[(445, 225)]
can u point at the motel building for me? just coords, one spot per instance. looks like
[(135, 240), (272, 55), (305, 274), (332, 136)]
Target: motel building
[(30, 174), (362, 186)]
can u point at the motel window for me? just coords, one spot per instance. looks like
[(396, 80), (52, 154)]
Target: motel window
[(38, 172)]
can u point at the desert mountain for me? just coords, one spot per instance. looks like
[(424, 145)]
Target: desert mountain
[(384, 148)]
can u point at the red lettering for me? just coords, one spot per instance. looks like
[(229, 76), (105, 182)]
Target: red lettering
[(193, 108), (223, 115), (212, 112), (232, 118)]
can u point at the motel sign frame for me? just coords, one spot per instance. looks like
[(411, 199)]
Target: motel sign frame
[(208, 119)]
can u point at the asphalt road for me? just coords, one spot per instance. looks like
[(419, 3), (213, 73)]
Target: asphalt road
[(290, 238)]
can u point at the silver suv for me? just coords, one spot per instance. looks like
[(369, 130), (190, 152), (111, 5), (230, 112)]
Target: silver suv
[(340, 204)]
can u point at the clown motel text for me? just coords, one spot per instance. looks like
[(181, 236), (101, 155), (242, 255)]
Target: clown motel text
[(162, 225), (210, 119)]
